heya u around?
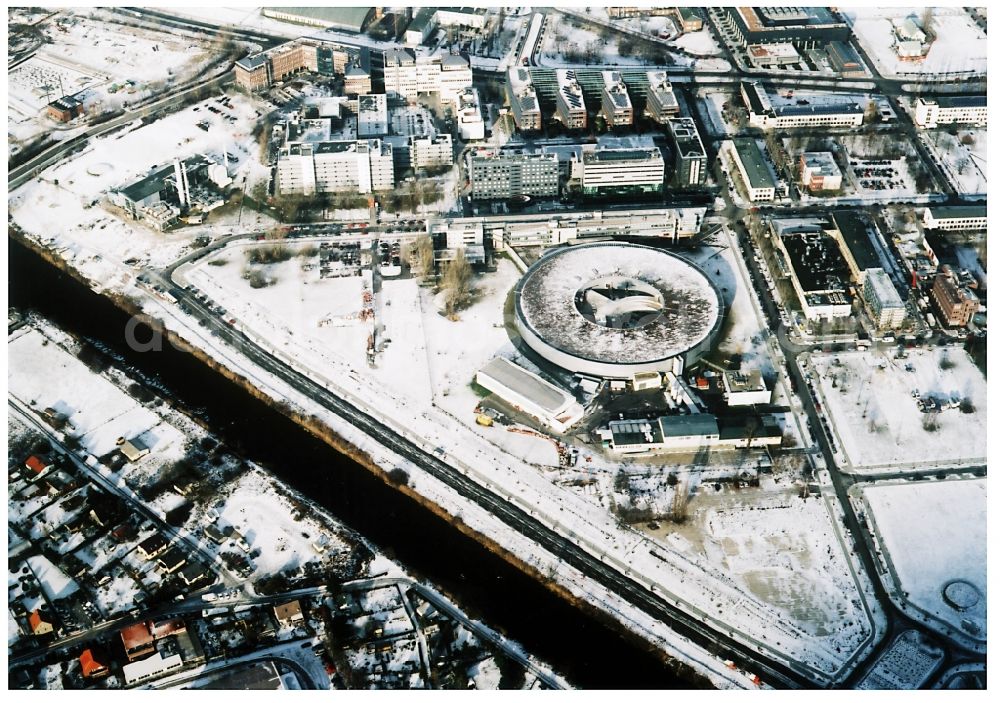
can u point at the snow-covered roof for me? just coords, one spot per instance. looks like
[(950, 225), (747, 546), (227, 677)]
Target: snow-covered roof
[(688, 309)]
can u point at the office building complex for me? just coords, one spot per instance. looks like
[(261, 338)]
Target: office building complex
[(819, 171), (259, 71), (955, 218), (690, 161), (408, 76), (361, 166), (765, 115), (469, 115), (805, 27), (614, 171), (951, 109), (505, 174), (431, 151), (615, 102), (756, 177), (570, 107), (661, 103), (884, 305)]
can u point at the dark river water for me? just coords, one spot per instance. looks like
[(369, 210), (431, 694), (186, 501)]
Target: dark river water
[(586, 652)]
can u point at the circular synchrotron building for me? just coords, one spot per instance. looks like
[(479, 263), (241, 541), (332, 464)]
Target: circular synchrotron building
[(613, 309)]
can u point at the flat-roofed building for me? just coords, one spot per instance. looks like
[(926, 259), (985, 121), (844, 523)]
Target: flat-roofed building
[(373, 115), (408, 75), (661, 103), (420, 27), (745, 388), (690, 160), (469, 115), (431, 151), (570, 107), (805, 27), (756, 177), (885, 307), (958, 217), (955, 304), (781, 54), (850, 231), (615, 101), (150, 668), (499, 175), (764, 114), (951, 109), (621, 171), (65, 108), (523, 100), (690, 18), (819, 171), (363, 166), (812, 260), (529, 393)]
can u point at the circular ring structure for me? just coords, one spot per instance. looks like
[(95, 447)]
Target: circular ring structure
[(612, 309)]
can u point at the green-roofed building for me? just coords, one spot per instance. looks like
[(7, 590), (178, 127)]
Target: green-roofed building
[(753, 170)]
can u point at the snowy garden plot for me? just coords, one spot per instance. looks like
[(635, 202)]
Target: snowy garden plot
[(932, 533), (874, 414), (959, 47), (962, 156)]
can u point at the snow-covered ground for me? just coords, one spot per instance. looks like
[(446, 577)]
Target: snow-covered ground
[(700, 43), (963, 157), (932, 533), (959, 48), (874, 415)]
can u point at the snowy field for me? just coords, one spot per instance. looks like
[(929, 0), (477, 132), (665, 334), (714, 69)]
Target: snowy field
[(932, 533), (960, 46), (875, 417), (65, 207), (962, 156)]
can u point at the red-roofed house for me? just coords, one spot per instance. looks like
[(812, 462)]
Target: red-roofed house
[(37, 466), (39, 625), (137, 640), (90, 667)]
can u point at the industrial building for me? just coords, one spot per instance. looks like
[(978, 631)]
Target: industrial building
[(342, 19), (882, 300), (571, 110), (618, 171), (845, 60), (690, 160), (805, 27), (469, 115), (373, 115), (782, 54), (951, 109), (261, 70), (955, 218), (764, 115), (362, 166), (64, 109), (819, 171), (523, 100), (615, 102), (661, 103), (757, 179), (499, 175), (531, 394), (955, 304), (745, 388), (612, 310), (407, 75), (812, 260), (688, 433)]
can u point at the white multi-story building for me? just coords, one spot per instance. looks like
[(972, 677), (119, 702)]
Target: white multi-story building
[(570, 107), (373, 115), (469, 115), (959, 217), (615, 101), (363, 166), (819, 171), (752, 169), (407, 75), (661, 103), (882, 299), (523, 100), (783, 54), (613, 171), (951, 109), (765, 115), (431, 151)]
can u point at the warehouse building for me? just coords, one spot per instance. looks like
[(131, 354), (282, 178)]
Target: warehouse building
[(615, 171), (690, 160), (951, 109), (615, 102), (819, 171), (757, 179), (500, 175), (882, 300), (523, 100), (530, 394), (342, 19), (362, 166), (955, 218), (805, 27), (570, 106), (661, 103)]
